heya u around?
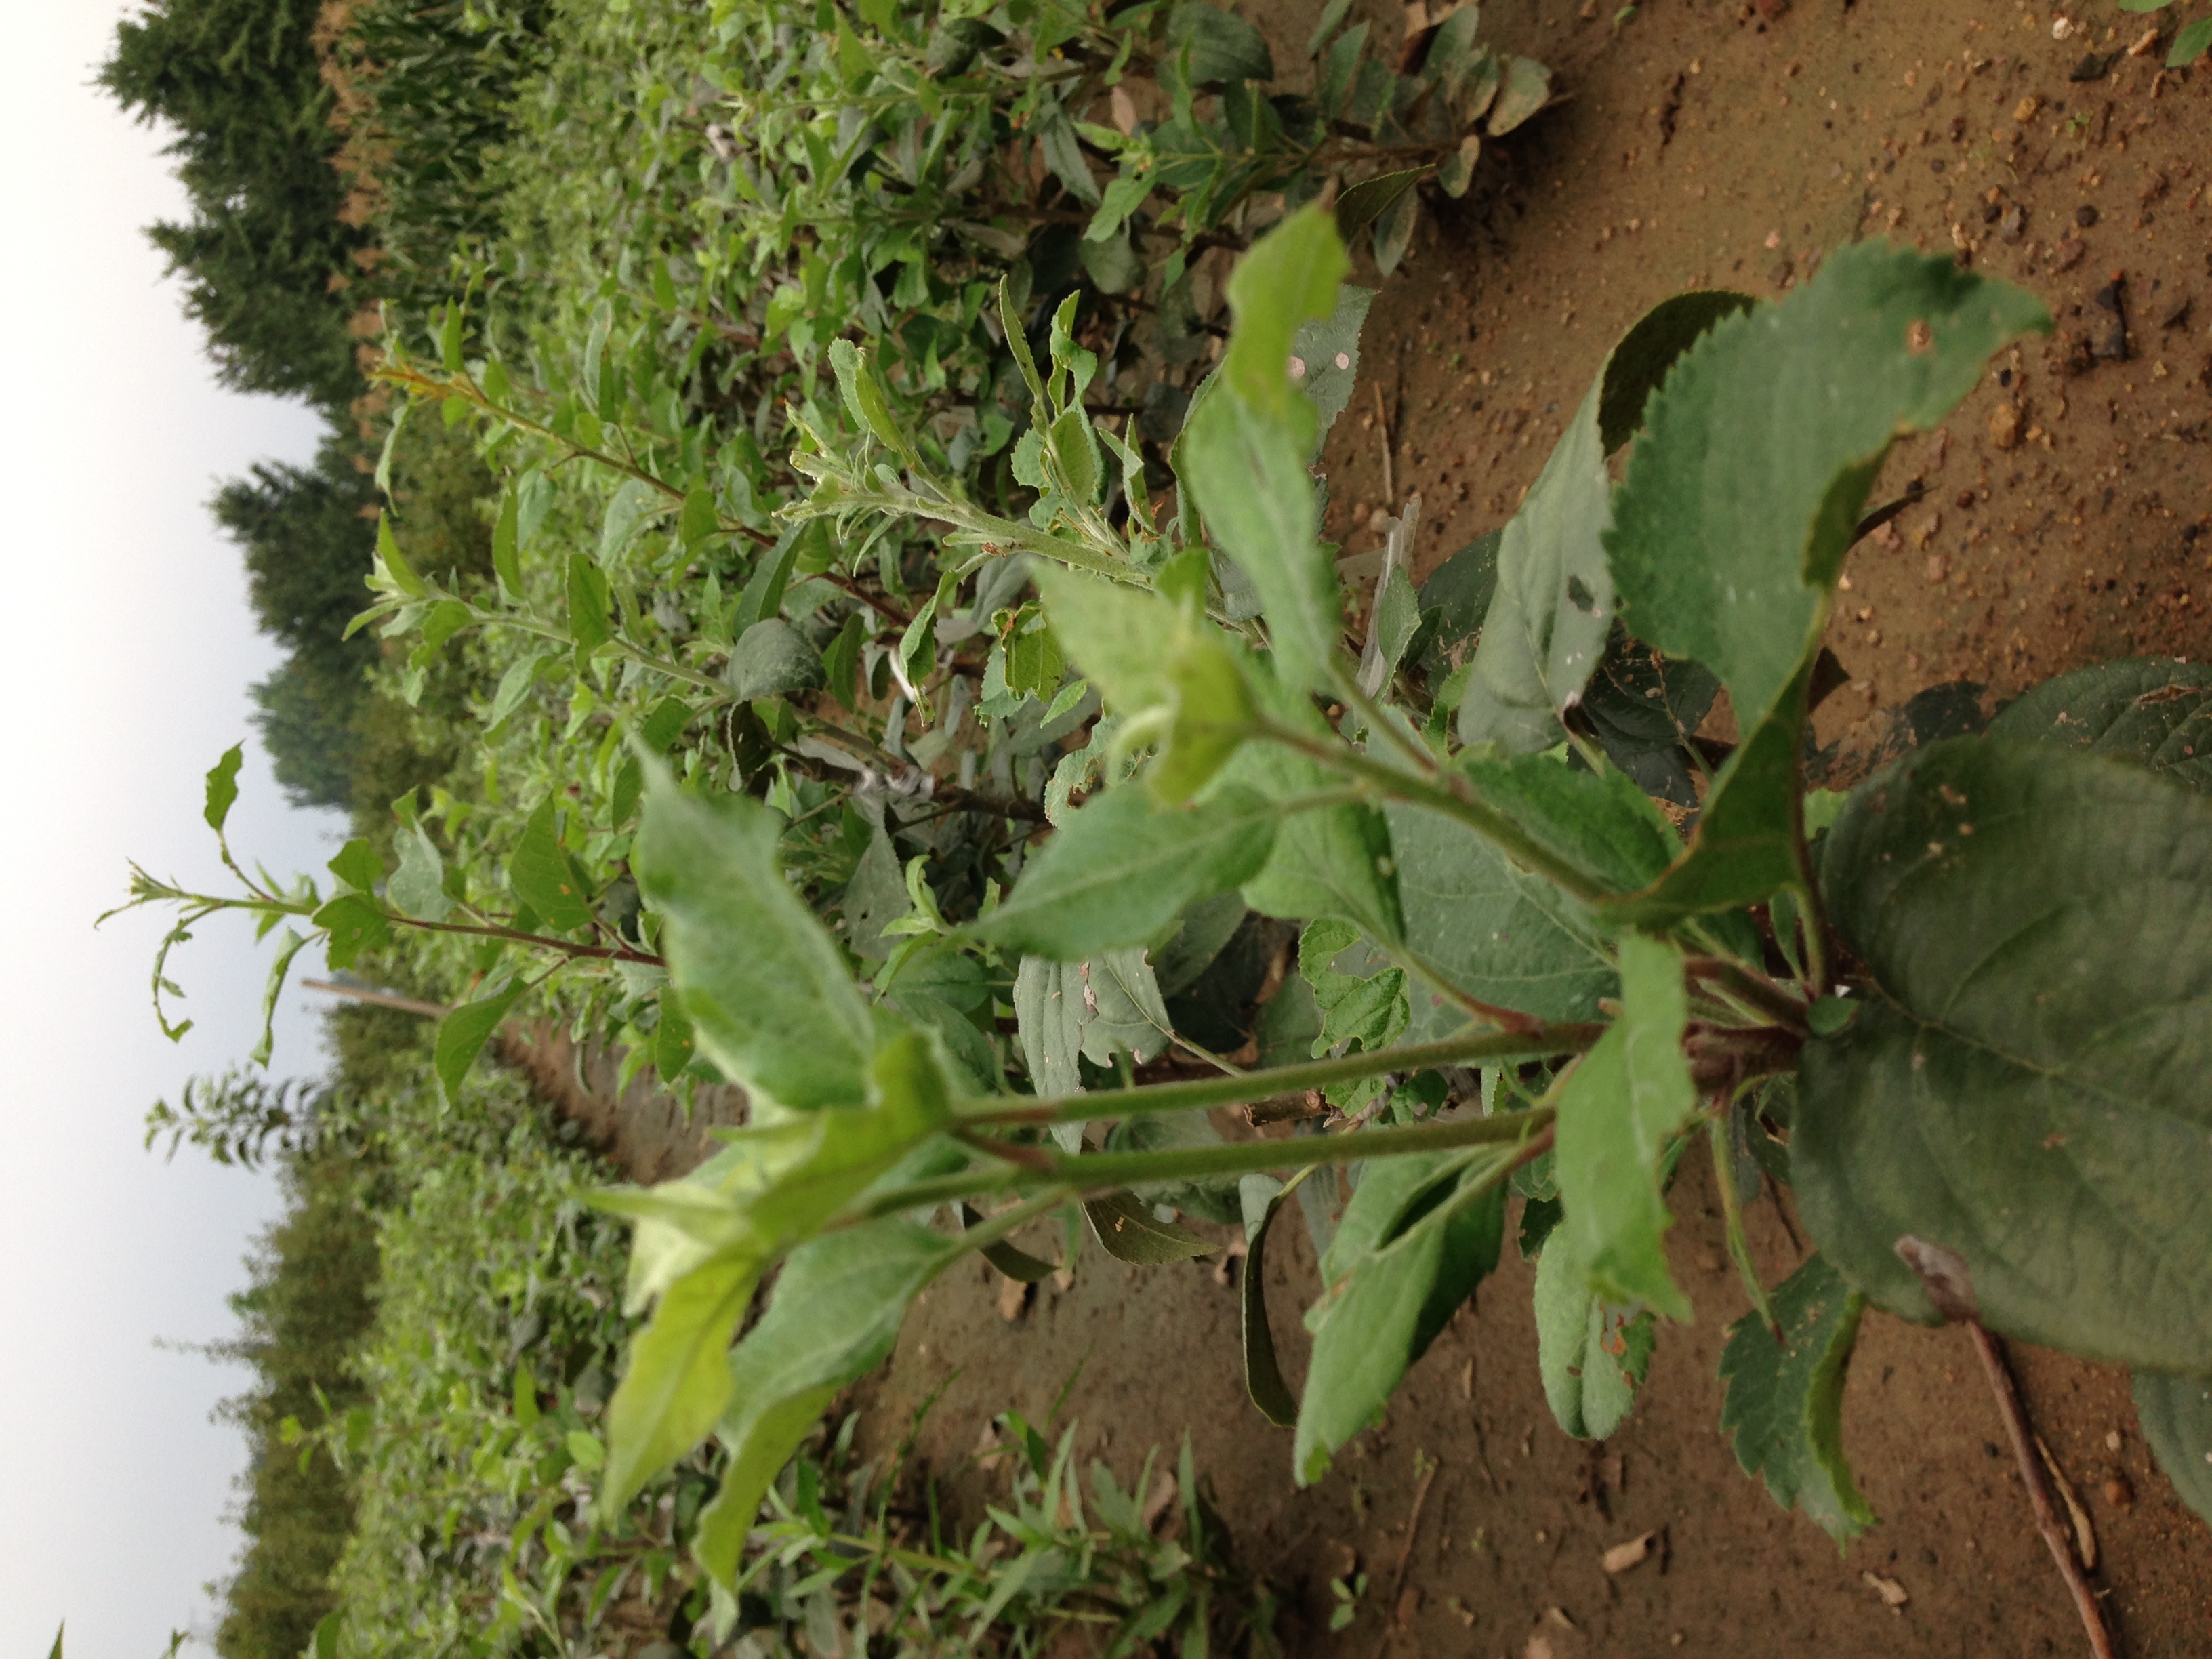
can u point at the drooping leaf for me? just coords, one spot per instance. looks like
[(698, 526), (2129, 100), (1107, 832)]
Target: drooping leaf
[(1119, 871), (1784, 1400), (1128, 1231), (544, 877), (2176, 1416), (832, 1318), (1263, 1196), (1626, 1102), (1548, 623), (2023, 1082), (463, 1033), (1592, 1355), (1246, 447), (1420, 1233), (2155, 710), (769, 996), (287, 948)]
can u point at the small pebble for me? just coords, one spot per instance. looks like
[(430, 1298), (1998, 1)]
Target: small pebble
[(2085, 216), (2119, 1494)]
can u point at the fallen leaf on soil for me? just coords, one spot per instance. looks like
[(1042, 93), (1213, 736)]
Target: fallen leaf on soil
[(1891, 1593), (1621, 1557), (1013, 1299)]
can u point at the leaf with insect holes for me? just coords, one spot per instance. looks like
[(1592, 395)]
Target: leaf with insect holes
[(222, 787), (2022, 1082), (1784, 1400)]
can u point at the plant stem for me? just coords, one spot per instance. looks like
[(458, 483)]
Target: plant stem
[(2039, 1492), (1106, 1171), (1277, 1081), (1762, 994)]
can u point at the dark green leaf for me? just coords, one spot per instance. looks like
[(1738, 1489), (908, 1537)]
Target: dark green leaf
[(1784, 1403), (765, 984), (629, 788), (2025, 1083), (1119, 871), (1223, 46), (1457, 595), (1126, 1227), (1604, 826), (665, 722), (773, 660), (1625, 1104), (463, 1033), (1371, 198), (1018, 1265), (544, 877), (672, 1040), (1640, 363), (591, 624), (1263, 1196), (2155, 710), (222, 787), (2176, 1415), (1643, 709)]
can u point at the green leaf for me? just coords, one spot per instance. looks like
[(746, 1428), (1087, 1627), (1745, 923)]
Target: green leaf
[(2157, 710), (1605, 826), (544, 877), (222, 787), (1223, 46), (1077, 452), (1547, 622), (358, 866), (699, 519), (1496, 932), (773, 659), (1128, 1231), (628, 788), (1367, 201), (677, 1379), (591, 624), (832, 1320), (354, 923), (672, 1039), (1592, 1357), (2024, 1083), (2191, 44), (1063, 153), (463, 1033), (506, 545), (1731, 525), (663, 724), (1247, 445), (288, 947), (396, 566), (765, 985), (419, 887), (1527, 88), (1784, 1403), (1626, 1102), (1421, 1232), (1170, 674), (1329, 348), (2176, 1416), (864, 400), (1120, 870), (1262, 1195), (1094, 1009)]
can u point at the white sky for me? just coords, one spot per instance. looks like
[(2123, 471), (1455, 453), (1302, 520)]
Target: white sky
[(125, 651)]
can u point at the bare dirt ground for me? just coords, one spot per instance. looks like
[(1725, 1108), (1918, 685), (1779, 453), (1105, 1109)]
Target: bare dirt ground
[(2065, 522)]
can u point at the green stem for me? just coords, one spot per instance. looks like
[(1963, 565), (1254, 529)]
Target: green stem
[(1754, 993), (1541, 1043), (1108, 1171)]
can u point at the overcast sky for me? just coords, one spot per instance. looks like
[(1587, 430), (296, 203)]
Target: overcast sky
[(125, 652)]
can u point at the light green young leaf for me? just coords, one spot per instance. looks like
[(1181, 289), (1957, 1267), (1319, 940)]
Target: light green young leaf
[(351, 923), (287, 947), (864, 398), (222, 787), (765, 986), (2175, 1414), (1592, 1357), (1627, 1100), (1169, 675), (357, 866), (2023, 1083), (1120, 870), (1246, 447), (463, 1033), (1785, 1401), (395, 565), (677, 1379), (832, 1318), (419, 887)]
